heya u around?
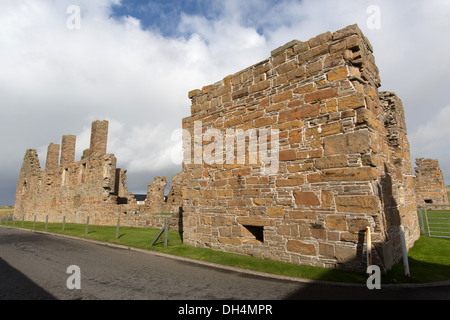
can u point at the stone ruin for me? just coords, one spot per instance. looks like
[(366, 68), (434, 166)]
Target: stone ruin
[(430, 185), (344, 159), (92, 187), (342, 164)]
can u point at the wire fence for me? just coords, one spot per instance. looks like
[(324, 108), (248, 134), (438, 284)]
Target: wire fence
[(5, 219), (435, 220)]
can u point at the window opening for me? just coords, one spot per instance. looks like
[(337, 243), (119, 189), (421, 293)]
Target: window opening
[(257, 232)]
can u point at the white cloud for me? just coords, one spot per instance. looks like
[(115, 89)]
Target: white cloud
[(433, 134), (143, 148), (431, 140)]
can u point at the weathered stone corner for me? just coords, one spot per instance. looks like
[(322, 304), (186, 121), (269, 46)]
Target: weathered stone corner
[(343, 159)]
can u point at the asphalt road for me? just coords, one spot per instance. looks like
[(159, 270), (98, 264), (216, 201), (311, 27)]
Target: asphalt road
[(34, 266)]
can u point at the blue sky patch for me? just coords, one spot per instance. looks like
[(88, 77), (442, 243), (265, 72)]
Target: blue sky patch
[(165, 15)]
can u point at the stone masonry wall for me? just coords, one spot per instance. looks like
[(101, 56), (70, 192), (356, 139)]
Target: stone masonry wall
[(429, 183), (398, 197), (92, 187), (342, 166)]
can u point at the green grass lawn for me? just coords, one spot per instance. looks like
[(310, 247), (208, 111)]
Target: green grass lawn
[(429, 259)]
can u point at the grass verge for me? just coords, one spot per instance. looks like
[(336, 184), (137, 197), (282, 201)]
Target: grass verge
[(429, 260)]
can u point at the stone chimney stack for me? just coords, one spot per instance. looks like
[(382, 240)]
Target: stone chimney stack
[(52, 157), (99, 137), (68, 149)]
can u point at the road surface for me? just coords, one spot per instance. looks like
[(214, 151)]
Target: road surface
[(34, 266)]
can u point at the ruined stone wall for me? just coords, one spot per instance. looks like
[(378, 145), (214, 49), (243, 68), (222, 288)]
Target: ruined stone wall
[(341, 168), (93, 187), (429, 183), (398, 199)]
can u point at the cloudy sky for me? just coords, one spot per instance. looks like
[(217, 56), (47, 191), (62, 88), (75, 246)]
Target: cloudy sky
[(133, 62)]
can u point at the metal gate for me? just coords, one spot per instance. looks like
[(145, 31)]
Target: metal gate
[(435, 220)]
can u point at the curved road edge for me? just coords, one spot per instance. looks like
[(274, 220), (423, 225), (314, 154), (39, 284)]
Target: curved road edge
[(230, 268)]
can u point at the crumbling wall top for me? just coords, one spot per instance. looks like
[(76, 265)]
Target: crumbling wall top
[(99, 137)]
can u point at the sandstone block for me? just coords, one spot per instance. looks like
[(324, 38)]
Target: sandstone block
[(366, 116), (289, 125), (310, 87), (265, 121), (302, 215), (355, 142), (306, 198), (285, 47), (295, 136), (338, 73), (275, 212), (337, 161), (237, 94), (293, 181), (192, 193), (354, 101), (286, 67), (324, 130), (287, 155), (327, 198), (350, 174), (282, 96), (345, 254), (358, 225), (193, 93), (320, 39), (314, 67), (320, 95), (257, 222), (262, 85), (333, 60), (231, 241), (326, 250), (335, 222), (358, 204), (346, 32), (301, 247), (303, 112)]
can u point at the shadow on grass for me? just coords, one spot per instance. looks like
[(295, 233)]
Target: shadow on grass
[(420, 272)]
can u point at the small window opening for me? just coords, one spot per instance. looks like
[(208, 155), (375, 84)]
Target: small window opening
[(257, 232), (429, 201), (121, 200)]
